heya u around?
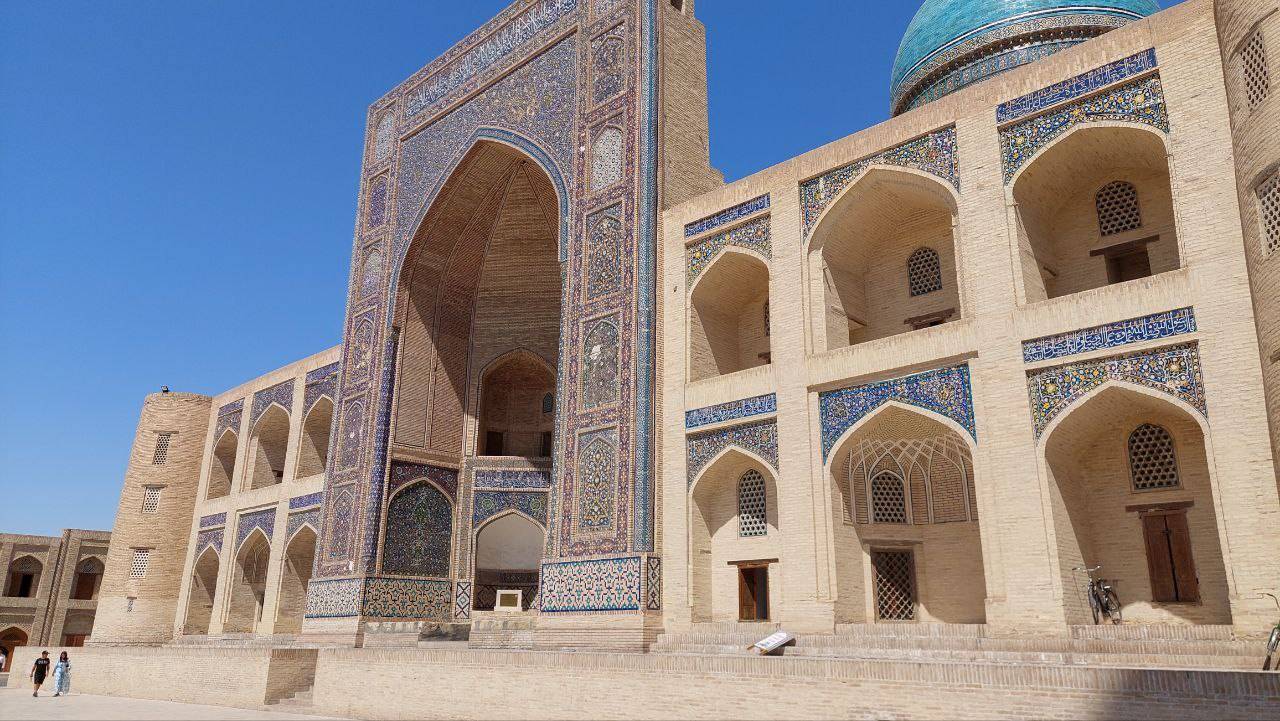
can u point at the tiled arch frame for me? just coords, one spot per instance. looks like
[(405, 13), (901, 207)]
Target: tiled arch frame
[(397, 489), (476, 386), (731, 449)]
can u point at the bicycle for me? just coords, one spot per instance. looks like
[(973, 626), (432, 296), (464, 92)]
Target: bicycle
[(1102, 597), (1274, 642)]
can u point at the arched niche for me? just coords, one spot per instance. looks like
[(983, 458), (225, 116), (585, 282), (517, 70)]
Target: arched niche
[(515, 417), (291, 604), (313, 453), (204, 584), (269, 443), (87, 580), (222, 465), (508, 556), (728, 330), (24, 577), (249, 584)]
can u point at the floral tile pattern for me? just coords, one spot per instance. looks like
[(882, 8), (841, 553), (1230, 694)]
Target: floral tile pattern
[(945, 391), (752, 236), (759, 438), (610, 584)]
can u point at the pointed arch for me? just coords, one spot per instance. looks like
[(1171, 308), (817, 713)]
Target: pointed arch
[(295, 573), (269, 443), (727, 333), (249, 583), (313, 453), (10, 639), (223, 464), (202, 591), (508, 554), (418, 534), (512, 418), (25, 573)]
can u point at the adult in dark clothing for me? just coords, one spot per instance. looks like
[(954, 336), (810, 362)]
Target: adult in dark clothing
[(38, 671)]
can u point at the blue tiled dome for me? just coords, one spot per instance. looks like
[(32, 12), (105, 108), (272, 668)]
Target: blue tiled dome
[(954, 43)]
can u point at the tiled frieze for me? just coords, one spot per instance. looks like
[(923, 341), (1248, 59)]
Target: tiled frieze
[(731, 411), (497, 479), (338, 598), (758, 438), (994, 64), (945, 391), (264, 521), (229, 417), (216, 519), (1139, 101), (610, 584), (605, 237), (416, 598), (1135, 330), (753, 236), (320, 382), (298, 520), (1076, 87), (1173, 370), (210, 537), (653, 583), (596, 502), (725, 217), (934, 153), (403, 473), (307, 501), (608, 64), (487, 504), (462, 600), (280, 394)]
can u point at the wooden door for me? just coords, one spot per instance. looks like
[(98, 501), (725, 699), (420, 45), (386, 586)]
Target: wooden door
[(746, 594), (1169, 561)]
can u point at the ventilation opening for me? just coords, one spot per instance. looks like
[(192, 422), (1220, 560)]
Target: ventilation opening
[(751, 505), (1253, 68), (895, 580), (1269, 210), (1117, 205), (1152, 462)]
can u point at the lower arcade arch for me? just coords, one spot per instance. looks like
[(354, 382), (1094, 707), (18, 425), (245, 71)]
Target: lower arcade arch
[(735, 547), (295, 573), (11, 639), (1130, 484), (204, 584), (907, 539), (508, 556), (248, 584)]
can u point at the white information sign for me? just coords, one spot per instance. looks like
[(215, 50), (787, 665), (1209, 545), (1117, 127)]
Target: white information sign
[(773, 643)]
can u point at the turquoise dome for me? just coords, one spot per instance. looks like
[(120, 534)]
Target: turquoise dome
[(953, 43)]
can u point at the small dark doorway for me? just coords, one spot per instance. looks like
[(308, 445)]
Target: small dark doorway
[(753, 593), (895, 585)]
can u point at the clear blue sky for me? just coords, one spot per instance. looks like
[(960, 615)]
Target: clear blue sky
[(178, 180)]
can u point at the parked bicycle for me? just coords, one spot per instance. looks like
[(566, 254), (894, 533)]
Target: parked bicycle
[(1102, 597), (1273, 643)]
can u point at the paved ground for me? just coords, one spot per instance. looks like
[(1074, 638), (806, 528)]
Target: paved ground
[(18, 704)]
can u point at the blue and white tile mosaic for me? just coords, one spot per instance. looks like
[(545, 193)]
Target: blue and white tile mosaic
[(609, 584), (416, 598), (229, 417), (462, 600), (1076, 87), (216, 519), (1135, 330), (337, 598), (731, 411), (945, 391), (759, 438), (280, 394), (403, 472), (754, 236), (320, 382), (653, 583), (211, 537), (418, 536), (596, 502), (264, 521), (934, 153), (505, 478), (1140, 101), (487, 504), (724, 217), (307, 501), (298, 520), (604, 252), (1174, 370)]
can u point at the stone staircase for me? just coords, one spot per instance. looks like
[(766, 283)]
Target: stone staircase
[(1162, 647)]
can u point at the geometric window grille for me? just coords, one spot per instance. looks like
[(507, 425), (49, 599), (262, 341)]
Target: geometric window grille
[(1253, 64), (1117, 205), (1152, 462), (751, 505), (924, 272), (1269, 209), (888, 498), (895, 587), (138, 566), (162, 449), (150, 499)]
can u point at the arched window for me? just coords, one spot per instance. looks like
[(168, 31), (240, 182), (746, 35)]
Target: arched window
[(751, 505), (888, 498), (24, 577), (924, 272), (1117, 204), (88, 578), (1152, 461), (1253, 66)]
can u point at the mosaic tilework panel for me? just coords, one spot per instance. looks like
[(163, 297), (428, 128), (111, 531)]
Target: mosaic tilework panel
[(264, 521), (1076, 87), (608, 64), (371, 272), (1135, 330), (474, 61), (753, 236), (596, 501), (1174, 370), (608, 157), (503, 478), (403, 473), (377, 475), (307, 501), (600, 367), (338, 598), (408, 598), (724, 217), (298, 520), (989, 66), (211, 537), (759, 438), (934, 153), (610, 584), (229, 417), (1140, 101), (320, 382), (653, 583), (605, 238), (216, 519), (945, 391), (418, 536), (462, 600), (731, 411), (338, 528), (488, 504), (281, 393)]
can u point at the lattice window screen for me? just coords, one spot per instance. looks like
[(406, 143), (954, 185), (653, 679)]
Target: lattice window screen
[(1253, 68), (150, 499), (924, 272), (138, 566), (895, 585), (1269, 210), (162, 449), (751, 505), (888, 498), (1117, 205), (1152, 462)]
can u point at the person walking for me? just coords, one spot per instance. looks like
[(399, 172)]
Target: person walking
[(38, 671), (62, 675), (4, 659)]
